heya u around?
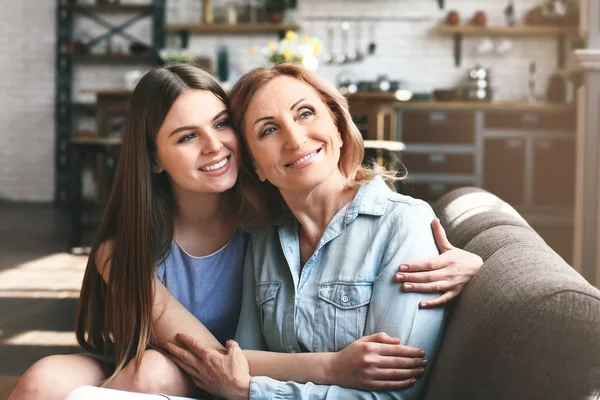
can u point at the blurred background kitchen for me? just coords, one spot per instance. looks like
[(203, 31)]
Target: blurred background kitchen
[(498, 94)]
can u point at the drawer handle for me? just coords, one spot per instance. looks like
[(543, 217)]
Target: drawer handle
[(437, 188), (530, 118), (514, 143), (437, 117), (437, 158)]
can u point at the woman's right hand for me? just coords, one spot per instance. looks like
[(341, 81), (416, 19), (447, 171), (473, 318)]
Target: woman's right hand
[(377, 363)]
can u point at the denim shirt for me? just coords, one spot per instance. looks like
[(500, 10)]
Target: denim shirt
[(345, 290)]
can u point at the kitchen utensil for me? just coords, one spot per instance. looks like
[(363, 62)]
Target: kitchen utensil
[(359, 56), (342, 57), (445, 94), (372, 46), (328, 56)]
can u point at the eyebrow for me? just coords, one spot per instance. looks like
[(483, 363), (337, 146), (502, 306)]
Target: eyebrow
[(192, 127), (269, 118)]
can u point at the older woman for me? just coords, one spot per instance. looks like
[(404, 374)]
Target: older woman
[(320, 275)]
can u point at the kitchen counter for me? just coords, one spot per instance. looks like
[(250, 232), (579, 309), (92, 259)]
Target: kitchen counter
[(388, 97)]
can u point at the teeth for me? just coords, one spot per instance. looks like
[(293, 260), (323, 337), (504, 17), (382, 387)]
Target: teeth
[(305, 158), (216, 166)]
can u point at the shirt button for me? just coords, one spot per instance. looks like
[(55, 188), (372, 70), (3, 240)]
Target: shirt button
[(345, 299), (257, 299)]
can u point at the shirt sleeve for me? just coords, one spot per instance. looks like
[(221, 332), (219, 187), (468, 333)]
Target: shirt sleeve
[(249, 332), (390, 310)]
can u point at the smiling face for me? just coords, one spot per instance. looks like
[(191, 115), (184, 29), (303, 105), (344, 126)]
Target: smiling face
[(291, 135), (196, 145)]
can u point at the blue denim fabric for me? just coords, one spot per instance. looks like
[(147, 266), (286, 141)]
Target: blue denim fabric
[(345, 290)]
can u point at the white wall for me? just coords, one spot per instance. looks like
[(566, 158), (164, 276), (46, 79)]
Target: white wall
[(407, 50)]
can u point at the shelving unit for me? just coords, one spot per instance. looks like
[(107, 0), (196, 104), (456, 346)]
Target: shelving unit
[(227, 29), (458, 32), (66, 59)]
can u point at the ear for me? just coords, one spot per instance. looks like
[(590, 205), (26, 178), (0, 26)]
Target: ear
[(156, 167), (259, 173)]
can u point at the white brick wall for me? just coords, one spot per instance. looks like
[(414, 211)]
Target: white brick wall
[(407, 50)]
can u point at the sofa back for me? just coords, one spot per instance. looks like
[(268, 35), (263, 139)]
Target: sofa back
[(527, 326)]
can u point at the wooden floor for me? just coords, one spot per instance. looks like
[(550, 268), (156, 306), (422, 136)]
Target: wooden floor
[(39, 286)]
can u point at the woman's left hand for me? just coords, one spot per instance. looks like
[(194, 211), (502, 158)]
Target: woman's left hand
[(449, 272), (222, 373)]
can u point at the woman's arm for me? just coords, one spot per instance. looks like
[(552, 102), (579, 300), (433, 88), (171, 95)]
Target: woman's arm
[(449, 272)]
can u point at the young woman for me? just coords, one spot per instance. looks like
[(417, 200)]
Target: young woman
[(320, 274), (168, 258)]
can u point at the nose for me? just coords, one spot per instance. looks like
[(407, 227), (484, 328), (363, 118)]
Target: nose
[(295, 136), (211, 143)]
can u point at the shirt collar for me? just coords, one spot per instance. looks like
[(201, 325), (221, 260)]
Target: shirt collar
[(369, 200)]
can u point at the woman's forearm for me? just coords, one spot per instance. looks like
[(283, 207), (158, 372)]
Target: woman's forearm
[(170, 317), (297, 367)]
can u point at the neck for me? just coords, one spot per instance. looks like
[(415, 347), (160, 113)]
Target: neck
[(314, 209), (199, 211)]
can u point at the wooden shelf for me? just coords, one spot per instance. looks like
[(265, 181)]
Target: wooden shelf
[(227, 29), (232, 29), (512, 31), (124, 57), (560, 32), (112, 7)]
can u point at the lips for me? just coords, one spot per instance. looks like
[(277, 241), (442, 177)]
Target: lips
[(304, 157), (215, 166)]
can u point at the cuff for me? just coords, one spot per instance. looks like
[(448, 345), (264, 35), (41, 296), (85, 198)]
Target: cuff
[(265, 388)]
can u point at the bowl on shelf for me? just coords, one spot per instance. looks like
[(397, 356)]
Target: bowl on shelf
[(445, 94)]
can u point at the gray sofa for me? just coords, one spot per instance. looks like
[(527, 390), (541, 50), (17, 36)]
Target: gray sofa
[(527, 326)]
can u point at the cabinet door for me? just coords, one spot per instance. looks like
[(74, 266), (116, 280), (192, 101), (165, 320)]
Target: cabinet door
[(559, 238), (504, 169), (554, 172), (438, 163), (530, 120), (438, 127)]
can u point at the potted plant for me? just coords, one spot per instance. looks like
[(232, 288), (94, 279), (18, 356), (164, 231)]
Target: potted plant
[(275, 10)]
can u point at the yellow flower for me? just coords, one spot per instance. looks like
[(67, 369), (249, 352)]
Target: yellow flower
[(305, 38), (291, 36), (316, 45), (287, 54), (273, 46), (253, 50)]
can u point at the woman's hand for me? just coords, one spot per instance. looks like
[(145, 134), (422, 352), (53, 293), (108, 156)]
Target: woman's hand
[(377, 362), (449, 272), (222, 373)]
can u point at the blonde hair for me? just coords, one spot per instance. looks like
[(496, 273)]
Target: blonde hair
[(264, 196)]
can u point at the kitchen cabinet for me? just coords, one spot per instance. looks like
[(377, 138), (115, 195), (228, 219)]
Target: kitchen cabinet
[(438, 127), (530, 120), (504, 165), (439, 162), (554, 172)]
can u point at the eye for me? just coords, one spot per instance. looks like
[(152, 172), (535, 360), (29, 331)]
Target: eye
[(267, 131), (186, 138), (306, 113), (224, 123)]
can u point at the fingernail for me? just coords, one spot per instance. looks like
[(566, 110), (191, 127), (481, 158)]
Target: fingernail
[(424, 304), (408, 286), (424, 363), (404, 268), (421, 371), (400, 277), (413, 381), (422, 354)]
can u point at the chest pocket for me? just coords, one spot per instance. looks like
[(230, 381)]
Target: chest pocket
[(266, 302), (341, 314)]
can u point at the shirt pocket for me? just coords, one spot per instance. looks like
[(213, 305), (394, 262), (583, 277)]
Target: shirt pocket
[(341, 314), (266, 302)]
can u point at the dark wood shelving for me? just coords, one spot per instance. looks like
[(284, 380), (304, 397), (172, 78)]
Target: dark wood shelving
[(116, 57), (112, 7), (232, 29)]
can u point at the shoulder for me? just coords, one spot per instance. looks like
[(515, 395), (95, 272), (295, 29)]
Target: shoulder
[(407, 211)]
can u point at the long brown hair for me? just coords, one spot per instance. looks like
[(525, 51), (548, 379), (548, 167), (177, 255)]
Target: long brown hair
[(264, 196), (115, 318)]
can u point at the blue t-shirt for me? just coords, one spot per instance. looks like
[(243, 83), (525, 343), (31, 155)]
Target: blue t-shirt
[(210, 287)]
